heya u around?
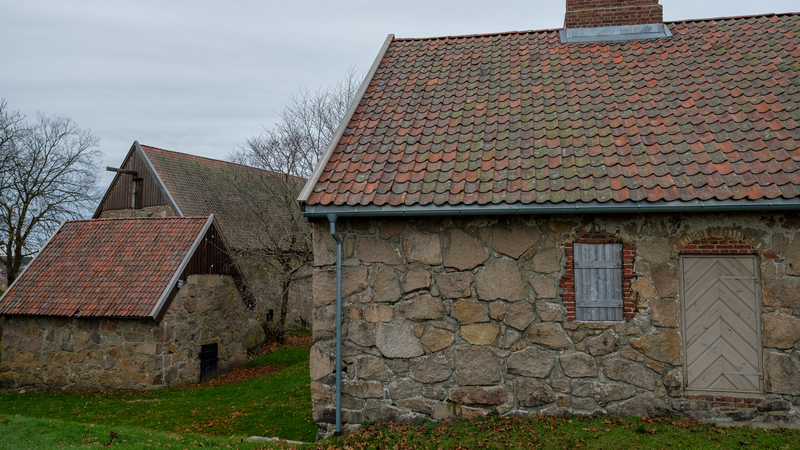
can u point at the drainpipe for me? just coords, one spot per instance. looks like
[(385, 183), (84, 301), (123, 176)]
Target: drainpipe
[(332, 220)]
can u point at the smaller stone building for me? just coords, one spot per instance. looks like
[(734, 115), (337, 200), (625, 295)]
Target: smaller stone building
[(134, 304), (152, 182)]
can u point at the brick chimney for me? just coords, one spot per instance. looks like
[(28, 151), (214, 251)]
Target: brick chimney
[(611, 13)]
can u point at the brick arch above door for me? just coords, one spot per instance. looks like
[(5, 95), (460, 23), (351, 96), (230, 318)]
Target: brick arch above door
[(718, 242)]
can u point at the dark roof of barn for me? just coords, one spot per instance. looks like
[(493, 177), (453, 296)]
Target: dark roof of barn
[(201, 186), (106, 268), (710, 114)]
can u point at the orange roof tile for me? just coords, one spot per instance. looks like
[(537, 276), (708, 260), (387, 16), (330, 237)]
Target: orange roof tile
[(710, 113), (104, 268)]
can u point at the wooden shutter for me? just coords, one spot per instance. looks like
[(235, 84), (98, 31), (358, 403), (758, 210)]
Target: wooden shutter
[(721, 323), (598, 282)]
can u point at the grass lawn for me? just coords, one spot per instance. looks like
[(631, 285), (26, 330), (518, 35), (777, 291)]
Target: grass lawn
[(277, 404), (563, 433), (270, 397), (31, 433)]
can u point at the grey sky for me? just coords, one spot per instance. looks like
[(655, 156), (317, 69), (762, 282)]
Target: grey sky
[(202, 76)]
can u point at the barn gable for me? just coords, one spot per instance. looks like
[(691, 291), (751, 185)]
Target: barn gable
[(138, 186)]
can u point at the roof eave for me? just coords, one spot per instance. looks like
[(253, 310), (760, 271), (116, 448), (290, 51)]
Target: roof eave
[(629, 206), (309, 186)]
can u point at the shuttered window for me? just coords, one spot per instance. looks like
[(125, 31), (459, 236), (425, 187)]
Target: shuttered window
[(598, 282)]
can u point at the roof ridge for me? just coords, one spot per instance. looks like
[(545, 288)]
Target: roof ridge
[(550, 30), (138, 218), (205, 157), (751, 16), (457, 36)]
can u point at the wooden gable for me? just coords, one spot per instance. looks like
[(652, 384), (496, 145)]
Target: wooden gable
[(129, 191)]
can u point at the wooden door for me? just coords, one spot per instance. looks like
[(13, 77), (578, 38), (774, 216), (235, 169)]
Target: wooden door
[(138, 193), (721, 323)]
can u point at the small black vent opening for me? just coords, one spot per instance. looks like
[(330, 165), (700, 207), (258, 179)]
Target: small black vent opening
[(208, 361)]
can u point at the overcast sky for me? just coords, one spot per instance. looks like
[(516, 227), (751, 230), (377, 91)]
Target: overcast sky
[(200, 77)]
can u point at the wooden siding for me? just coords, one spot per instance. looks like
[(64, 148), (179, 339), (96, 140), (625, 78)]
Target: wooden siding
[(210, 257), (598, 282), (120, 194), (722, 324)]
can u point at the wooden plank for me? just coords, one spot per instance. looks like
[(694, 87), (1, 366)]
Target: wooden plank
[(127, 172), (598, 265)]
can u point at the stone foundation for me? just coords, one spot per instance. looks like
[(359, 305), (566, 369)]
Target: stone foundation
[(108, 354), (465, 316)]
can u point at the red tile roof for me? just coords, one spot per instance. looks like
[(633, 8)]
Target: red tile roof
[(710, 113), (203, 186), (104, 268)]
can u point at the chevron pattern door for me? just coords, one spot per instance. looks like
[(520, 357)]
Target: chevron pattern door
[(721, 323)]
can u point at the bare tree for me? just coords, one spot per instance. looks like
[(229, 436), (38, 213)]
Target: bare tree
[(288, 153), (11, 128), (51, 176)]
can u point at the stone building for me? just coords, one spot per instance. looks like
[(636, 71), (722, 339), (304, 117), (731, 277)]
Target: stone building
[(142, 303), (595, 220), (152, 182)]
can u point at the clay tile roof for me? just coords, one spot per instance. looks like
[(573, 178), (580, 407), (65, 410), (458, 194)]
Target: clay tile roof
[(710, 113), (203, 186), (104, 268)]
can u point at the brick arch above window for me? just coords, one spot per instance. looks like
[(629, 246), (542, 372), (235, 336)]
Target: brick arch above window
[(567, 282)]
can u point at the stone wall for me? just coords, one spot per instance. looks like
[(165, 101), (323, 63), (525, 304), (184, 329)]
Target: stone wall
[(301, 303), (107, 354), (463, 316), (266, 280)]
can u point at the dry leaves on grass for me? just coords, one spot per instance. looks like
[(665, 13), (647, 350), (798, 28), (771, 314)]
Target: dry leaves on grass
[(236, 375), (294, 340)]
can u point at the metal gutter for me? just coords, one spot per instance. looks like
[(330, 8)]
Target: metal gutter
[(160, 181), (165, 295), (332, 220), (594, 206), (309, 187)]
